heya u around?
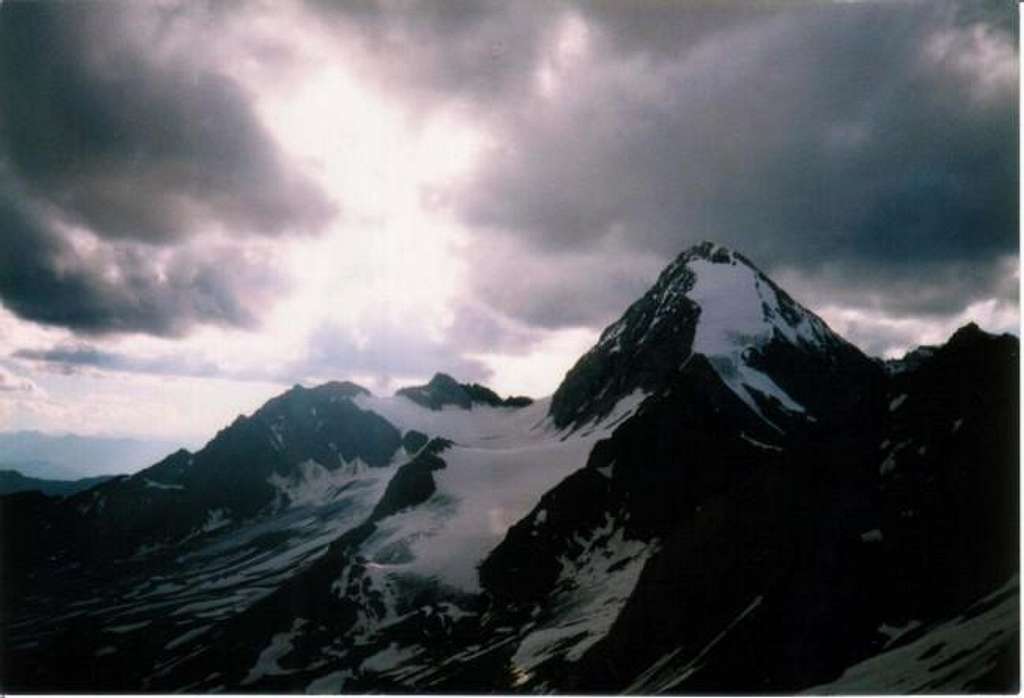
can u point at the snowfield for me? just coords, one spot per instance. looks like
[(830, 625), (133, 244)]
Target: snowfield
[(502, 461), (948, 658), (590, 592)]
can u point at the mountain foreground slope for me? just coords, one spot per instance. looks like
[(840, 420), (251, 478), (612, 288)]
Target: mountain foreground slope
[(722, 496)]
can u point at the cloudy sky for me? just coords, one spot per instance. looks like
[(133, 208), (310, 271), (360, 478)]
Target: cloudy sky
[(203, 203)]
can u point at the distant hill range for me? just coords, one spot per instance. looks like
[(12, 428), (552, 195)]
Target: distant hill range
[(12, 481), (72, 456)]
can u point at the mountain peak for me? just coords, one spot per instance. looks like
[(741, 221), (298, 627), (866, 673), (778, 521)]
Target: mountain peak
[(442, 381), (444, 390), (299, 401), (972, 340), (711, 251), (340, 389), (710, 301), (337, 389), (968, 333), (678, 271)]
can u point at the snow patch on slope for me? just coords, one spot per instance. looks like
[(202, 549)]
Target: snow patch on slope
[(947, 659), (312, 484), (664, 676), (279, 647), (216, 519), (234, 566), (373, 591), (896, 402), (760, 444), (389, 658), (330, 684), (589, 594), (153, 484), (186, 637)]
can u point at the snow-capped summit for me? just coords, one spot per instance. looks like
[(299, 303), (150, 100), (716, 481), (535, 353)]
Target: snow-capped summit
[(741, 307), (713, 302)]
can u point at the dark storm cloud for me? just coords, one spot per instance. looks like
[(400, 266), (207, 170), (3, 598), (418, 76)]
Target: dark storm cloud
[(820, 133), (879, 138), (129, 145), (70, 358), (926, 293), (97, 134), (124, 288)]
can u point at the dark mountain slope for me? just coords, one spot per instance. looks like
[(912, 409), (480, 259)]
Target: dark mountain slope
[(734, 427), (675, 452), (230, 478), (949, 472), (326, 608), (722, 497), (784, 582), (133, 523)]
